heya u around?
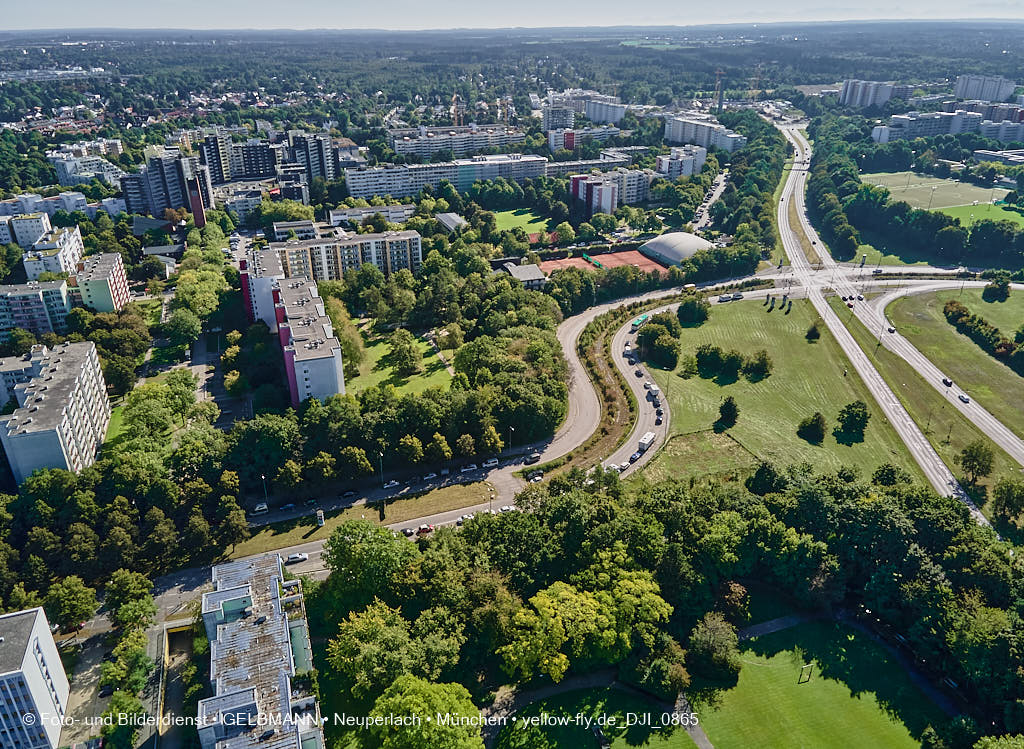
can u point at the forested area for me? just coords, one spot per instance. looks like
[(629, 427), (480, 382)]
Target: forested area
[(653, 583), (843, 207)]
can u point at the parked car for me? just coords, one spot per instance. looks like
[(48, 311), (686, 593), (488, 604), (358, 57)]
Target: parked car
[(537, 477), (737, 295), (106, 690), (639, 373), (860, 297), (658, 421), (532, 458), (391, 484), (507, 508), (659, 412), (947, 382), (288, 507), (963, 398), (624, 466), (892, 328), (467, 469), (260, 509), (634, 457), (850, 305), (408, 531), (296, 558), (725, 298), (491, 463), (430, 476), (424, 529), (348, 493), (647, 385)]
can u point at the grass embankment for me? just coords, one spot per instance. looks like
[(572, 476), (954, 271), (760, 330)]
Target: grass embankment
[(994, 385), (780, 250), (856, 695), (395, 510), (378, 369), (806, 377), (810, 252), (946, 428), (529, 221), (969, 214)]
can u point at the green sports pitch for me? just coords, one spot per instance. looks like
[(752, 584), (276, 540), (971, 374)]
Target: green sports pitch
[(924, 191)]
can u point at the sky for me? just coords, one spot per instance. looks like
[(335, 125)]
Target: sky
[(442, 14)]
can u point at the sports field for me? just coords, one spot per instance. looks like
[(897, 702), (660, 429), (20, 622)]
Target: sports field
[(607, 260), (524, 218), (916, 189), (806, 377), (856, 695), (969, 214), (995, 386)]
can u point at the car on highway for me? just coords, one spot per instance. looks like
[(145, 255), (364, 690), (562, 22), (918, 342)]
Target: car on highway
[(634, 457), (391, 484), (430, 476), (470, 467), (296, 558), (737, 295), (725, 298), (658, 421), (490, 463), (947, 382), (963, 398), (408, 531), (532, 458), (892, 328), (348, 493), (639, 373), (424, 529), (860, 297), (877, 272)]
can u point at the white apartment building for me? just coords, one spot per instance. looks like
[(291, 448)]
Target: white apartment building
[(984, 87), (604, 112), (702, 132), (393, 214), (58, 251), (32, 682), (261, 274), (243, 203), (426, 141), (557, 117), (100, 283), (577, 99), (28, 228), (37, 306), (569, 139), (312, 353), (856, 93), (400, 180), (66, 201), (328, 258), (255, 621), (301, 230), (74, 170), (682, 162), (62, 413), (927, 124)]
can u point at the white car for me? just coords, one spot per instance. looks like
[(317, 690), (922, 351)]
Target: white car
[(725, 298), (391, 484), (963, 398), (491, 463), (430, 477), (296, 558), (538, 477), (507, 508), (467, 469), (647, 385)]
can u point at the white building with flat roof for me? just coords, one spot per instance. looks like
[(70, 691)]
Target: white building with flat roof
[(27, 228), (604, 112), (400, 180), (100, 283), (684, 161), (984, 87), (393, 214), (62, 413), (705, 132), (461, 140), (57, 251), (33, 686)]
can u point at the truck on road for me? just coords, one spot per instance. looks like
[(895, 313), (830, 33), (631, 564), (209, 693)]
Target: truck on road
[(646, 441)]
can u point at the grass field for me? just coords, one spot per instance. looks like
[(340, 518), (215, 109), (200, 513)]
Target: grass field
[(807, 377), (150, 309), (304, 529), (526, 219), (945, 427), (995, 386), (594, 703), (377, 369), (916, 189), (703, 453), (969, 214), (856, 696), (116, 425)]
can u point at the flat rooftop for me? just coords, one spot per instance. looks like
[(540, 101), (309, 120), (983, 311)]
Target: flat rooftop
[(46, 395), (98, 267), (15, 632)]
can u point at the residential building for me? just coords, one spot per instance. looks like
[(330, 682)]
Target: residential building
[(530, 275), (1015, 158), (57, 251), (68, 201), (1004, 132), (597, 192), (856, 93), (577, 99), (570, 139), (169, 180), (394, 214), (995, 111), (243, 203), (28, 228), (98, 147), (604, 164), (34, 689), (682, 162), (215, 153), (260, 274), (62, 413), (297, 191), (557, 118), (450, 221), (925, 125), (604, 112), (255, 159), (100, 283), (460, 141), (301, 229), (316, 153), (74, 170), (400, 180), (312, 353), (702, 131), (328, 258), (37, 306), (255, 621), (985, 87)]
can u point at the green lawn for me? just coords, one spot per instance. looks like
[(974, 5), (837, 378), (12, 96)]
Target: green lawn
[(528, 220), (888, 256), (969, 214), (916, 189), (994, 385), (594, 703), (116, 424), (376, 369), (165, 356), (150, 310), (856, 696), (700, 454), (946, 428), (304, 529), (807, 377)]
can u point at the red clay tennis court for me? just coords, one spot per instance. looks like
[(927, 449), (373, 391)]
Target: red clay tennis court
[(608, 260)]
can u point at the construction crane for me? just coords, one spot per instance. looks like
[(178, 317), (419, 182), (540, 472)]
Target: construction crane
[(719, 94), (456, 119)]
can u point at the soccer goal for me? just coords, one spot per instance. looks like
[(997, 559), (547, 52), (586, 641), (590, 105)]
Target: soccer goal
[(805, 673)]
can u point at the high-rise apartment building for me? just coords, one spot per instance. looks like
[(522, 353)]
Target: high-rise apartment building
[(400, 180), (100, 283), (463, 140), (316, 153), (57, 251), (684, 161), (37, 306), (312, 353), (166, 182), (215, 153), (328, 258), (984, 87), (34, 689), (62, 413), (855, 93), (705, 132), (557, 117), (28, 228), (602, 112), (255, 159), (570, 139)]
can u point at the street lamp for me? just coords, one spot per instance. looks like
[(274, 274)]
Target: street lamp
[(381, 468), (510, 430), (265, 497), (930, 197)]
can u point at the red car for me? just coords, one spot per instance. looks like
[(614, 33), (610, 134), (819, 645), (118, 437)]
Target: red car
[(424, 529)]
